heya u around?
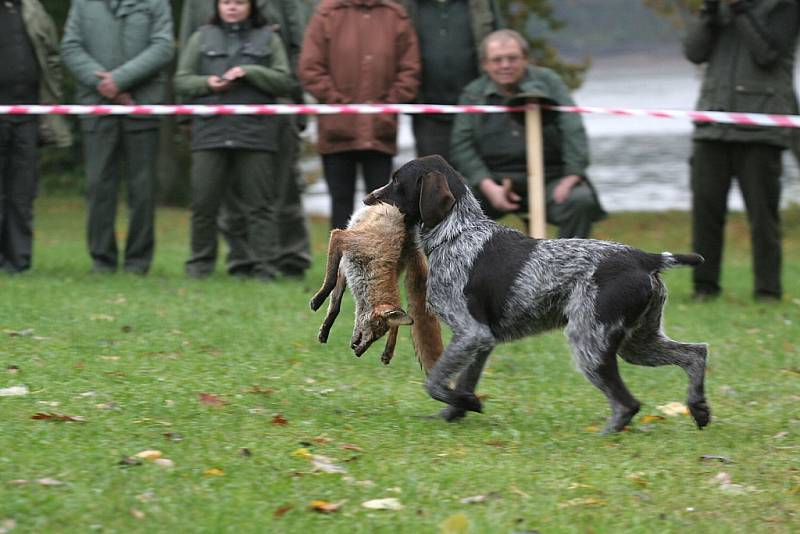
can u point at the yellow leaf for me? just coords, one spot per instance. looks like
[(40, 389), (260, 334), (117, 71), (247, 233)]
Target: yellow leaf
[(652, 419), (455, 524), (148, 455), (673, 408), (302, 453), (325, 507), (101, 317), (214, 472), (591, 428)]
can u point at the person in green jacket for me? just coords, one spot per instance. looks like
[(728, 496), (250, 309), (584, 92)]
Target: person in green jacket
[(284, 17), (490, 151), (31, 75), (118, 52), (236, 59), (748, 50)]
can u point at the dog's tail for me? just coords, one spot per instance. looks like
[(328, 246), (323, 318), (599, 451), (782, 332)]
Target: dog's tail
[(668, 259)]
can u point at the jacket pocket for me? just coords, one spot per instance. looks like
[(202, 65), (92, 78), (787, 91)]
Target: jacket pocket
[(338, 128), (756, 98)]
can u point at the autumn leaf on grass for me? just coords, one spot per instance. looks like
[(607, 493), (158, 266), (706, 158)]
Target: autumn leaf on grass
[(211, 400), (477, 499), (101, 317), (673, 409), (583, 501), (791, 370), (14, 391), (280, 512), (326, 465), (214, 472), (55, 416), (639, 478), (301, 453), (646, 419), (19, 333), (350, 447), (7, 525), (325, 507), (455, 524), (149, 454), (258, 390), (137, 514), (389, 503), (278, 419)]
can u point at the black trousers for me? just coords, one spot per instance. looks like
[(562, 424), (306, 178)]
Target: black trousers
[(757, 167), (19, 173), (432, 135), (340, 172)]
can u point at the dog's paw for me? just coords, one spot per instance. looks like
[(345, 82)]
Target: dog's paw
[(451, 413), (467, 401), (701, 413)]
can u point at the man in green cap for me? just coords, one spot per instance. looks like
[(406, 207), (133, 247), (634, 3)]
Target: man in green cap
[(118, 52)]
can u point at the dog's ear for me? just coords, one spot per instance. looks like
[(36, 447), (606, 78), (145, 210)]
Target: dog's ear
[(435, 198)]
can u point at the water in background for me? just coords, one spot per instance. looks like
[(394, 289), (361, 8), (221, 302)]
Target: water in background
[(638, 163)]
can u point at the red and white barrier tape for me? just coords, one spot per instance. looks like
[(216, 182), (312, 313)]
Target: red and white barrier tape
[(747, 119)]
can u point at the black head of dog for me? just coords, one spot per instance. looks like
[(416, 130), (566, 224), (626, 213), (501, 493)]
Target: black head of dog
[(424, 190)]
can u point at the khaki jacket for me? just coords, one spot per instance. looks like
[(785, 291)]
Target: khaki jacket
[(359, 52), (53, 129)]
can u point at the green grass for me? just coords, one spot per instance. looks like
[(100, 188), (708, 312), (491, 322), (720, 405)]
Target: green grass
[(132, 355)]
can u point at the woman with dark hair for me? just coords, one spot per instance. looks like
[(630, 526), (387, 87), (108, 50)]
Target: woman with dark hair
[(235, 59)]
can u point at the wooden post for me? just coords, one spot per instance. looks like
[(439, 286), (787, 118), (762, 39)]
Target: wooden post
[(535, 158)]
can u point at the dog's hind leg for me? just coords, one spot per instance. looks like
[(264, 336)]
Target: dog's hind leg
[(595, 355), (648, 345)]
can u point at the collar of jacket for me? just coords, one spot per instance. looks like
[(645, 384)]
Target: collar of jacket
[(228, 27), (528, 79)]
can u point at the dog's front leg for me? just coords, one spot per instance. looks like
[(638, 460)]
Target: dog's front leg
[(465, 353)]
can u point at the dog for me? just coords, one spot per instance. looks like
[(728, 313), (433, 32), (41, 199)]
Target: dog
[(491, 284)]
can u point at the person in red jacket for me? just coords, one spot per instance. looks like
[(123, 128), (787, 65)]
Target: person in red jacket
[(358, 52)]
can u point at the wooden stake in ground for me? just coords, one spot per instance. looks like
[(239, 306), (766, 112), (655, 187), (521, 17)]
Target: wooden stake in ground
[(535, 158)]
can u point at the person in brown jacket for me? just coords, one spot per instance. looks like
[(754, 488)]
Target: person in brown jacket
[(358, 52)]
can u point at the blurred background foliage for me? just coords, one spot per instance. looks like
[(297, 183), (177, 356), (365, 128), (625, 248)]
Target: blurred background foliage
[(542, 21)]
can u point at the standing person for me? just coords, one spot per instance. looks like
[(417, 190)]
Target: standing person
[(490, 149), (285, 18), (748, 49), (29, 48), (358, 52), (118, 51), (236, 59), (450, 33)]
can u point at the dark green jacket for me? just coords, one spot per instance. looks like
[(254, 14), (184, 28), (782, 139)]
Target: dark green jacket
[(748, 52), (565, 128), (485, 17), (285, 18), (134, 43), (44, 38), (212, 50)]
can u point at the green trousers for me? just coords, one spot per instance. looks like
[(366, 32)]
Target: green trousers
[(252, 173), (111, 150), (294, 244), (757, 168)]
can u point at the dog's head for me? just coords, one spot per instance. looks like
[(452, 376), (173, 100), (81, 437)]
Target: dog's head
[(424, 190), (371, 327)]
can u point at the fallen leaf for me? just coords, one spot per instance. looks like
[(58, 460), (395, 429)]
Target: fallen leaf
[(791, 370), (149, 454), (638, 478), (794, 491), (301, 453), (322, 440), (455, 524), (106, 405), (54, 416), (477, 499), (351, 447), (326, 507), (137, 514), (326, 465), (652, 419), (592, 429), (383, 504), (49, 482), (173, 436), (673, 409), (19, 333), (101, 317), (14, 391), (12, 369), (18, 482), (130, 460), (780, 435), (723, 459), (7, 525), (164, 462), (244, 451), (211, 400), (258, 390), (214, 472), (278, 419), (280, 512)]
